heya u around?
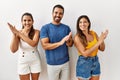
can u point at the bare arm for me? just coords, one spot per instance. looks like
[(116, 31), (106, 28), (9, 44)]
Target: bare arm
[(33, 42), (102, 45), (14, 44), (69, 42), (78, 44), (49, 46), (15, 40)]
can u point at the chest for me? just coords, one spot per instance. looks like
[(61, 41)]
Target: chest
[(90, 38), (56, 34)]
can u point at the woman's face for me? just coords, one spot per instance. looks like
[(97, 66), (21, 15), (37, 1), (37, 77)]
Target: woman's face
[(27, 22), (83, 24)]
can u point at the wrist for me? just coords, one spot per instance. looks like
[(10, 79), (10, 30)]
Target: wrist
[(17, 34)]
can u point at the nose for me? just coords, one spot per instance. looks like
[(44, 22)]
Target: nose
[(27, 22), (58, 14)]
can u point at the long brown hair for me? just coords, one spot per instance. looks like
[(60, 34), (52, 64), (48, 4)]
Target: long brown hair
[(79, 31), (32, 30)]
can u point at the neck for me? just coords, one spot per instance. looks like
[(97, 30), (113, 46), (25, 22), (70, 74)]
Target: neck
[(26, 30), (85, 32), (55, 23)]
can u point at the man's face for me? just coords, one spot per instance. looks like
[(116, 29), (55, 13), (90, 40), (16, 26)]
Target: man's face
[(57, 15)]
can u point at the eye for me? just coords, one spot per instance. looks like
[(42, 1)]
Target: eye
[(29, 20), (56, 12), (24, 20), (80, 22), (61, 13)]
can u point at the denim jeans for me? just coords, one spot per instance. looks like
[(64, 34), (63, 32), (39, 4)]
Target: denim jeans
[(87, 67)]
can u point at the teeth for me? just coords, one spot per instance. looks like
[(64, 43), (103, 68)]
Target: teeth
[(57, 18)]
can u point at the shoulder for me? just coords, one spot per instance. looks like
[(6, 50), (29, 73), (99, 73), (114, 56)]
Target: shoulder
[(76, 37), (77, 40), (65, 25), (37, 31), (46, 25), (94, 33)]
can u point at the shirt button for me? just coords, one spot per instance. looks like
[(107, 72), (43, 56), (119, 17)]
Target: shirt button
[(32, 51), (22, 55)]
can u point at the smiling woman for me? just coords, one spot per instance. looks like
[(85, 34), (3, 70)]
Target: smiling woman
[(27, 40), (88, 43)]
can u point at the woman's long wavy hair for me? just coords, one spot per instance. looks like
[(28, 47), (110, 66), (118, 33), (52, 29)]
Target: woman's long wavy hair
[(79, 31), (32, 30)]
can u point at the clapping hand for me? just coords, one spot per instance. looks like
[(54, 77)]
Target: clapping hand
[(103, 36), (13, 29), (66, 38)]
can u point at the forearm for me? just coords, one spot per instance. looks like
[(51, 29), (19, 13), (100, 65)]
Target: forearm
[(14, 44), (102, 46), (50, 46), (27, 39), (90, 50)]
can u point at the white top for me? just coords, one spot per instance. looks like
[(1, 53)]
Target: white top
[(26, 47)]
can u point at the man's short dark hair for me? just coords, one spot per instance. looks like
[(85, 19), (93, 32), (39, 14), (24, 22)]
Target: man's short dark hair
[(58, 6)]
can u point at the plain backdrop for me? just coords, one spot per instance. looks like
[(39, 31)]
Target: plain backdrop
[(104, 14)]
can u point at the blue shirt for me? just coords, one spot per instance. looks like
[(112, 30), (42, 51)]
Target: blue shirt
[(56, 33)]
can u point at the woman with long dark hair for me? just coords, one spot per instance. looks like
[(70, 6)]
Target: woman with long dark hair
[(88, 43), (27, 40)]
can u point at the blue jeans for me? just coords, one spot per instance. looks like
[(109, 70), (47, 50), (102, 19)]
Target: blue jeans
[(87, 67)]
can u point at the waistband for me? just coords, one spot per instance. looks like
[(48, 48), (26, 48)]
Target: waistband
[(92, 58)]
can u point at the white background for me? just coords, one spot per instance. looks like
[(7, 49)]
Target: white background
[(104, 14)]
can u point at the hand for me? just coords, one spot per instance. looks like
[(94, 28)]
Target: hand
[(103, 36), (66, 38), (63, 40), (105, 33), (69, 36), (13, 29)]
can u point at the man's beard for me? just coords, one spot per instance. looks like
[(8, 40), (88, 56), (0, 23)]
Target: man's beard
[(57, 19)]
